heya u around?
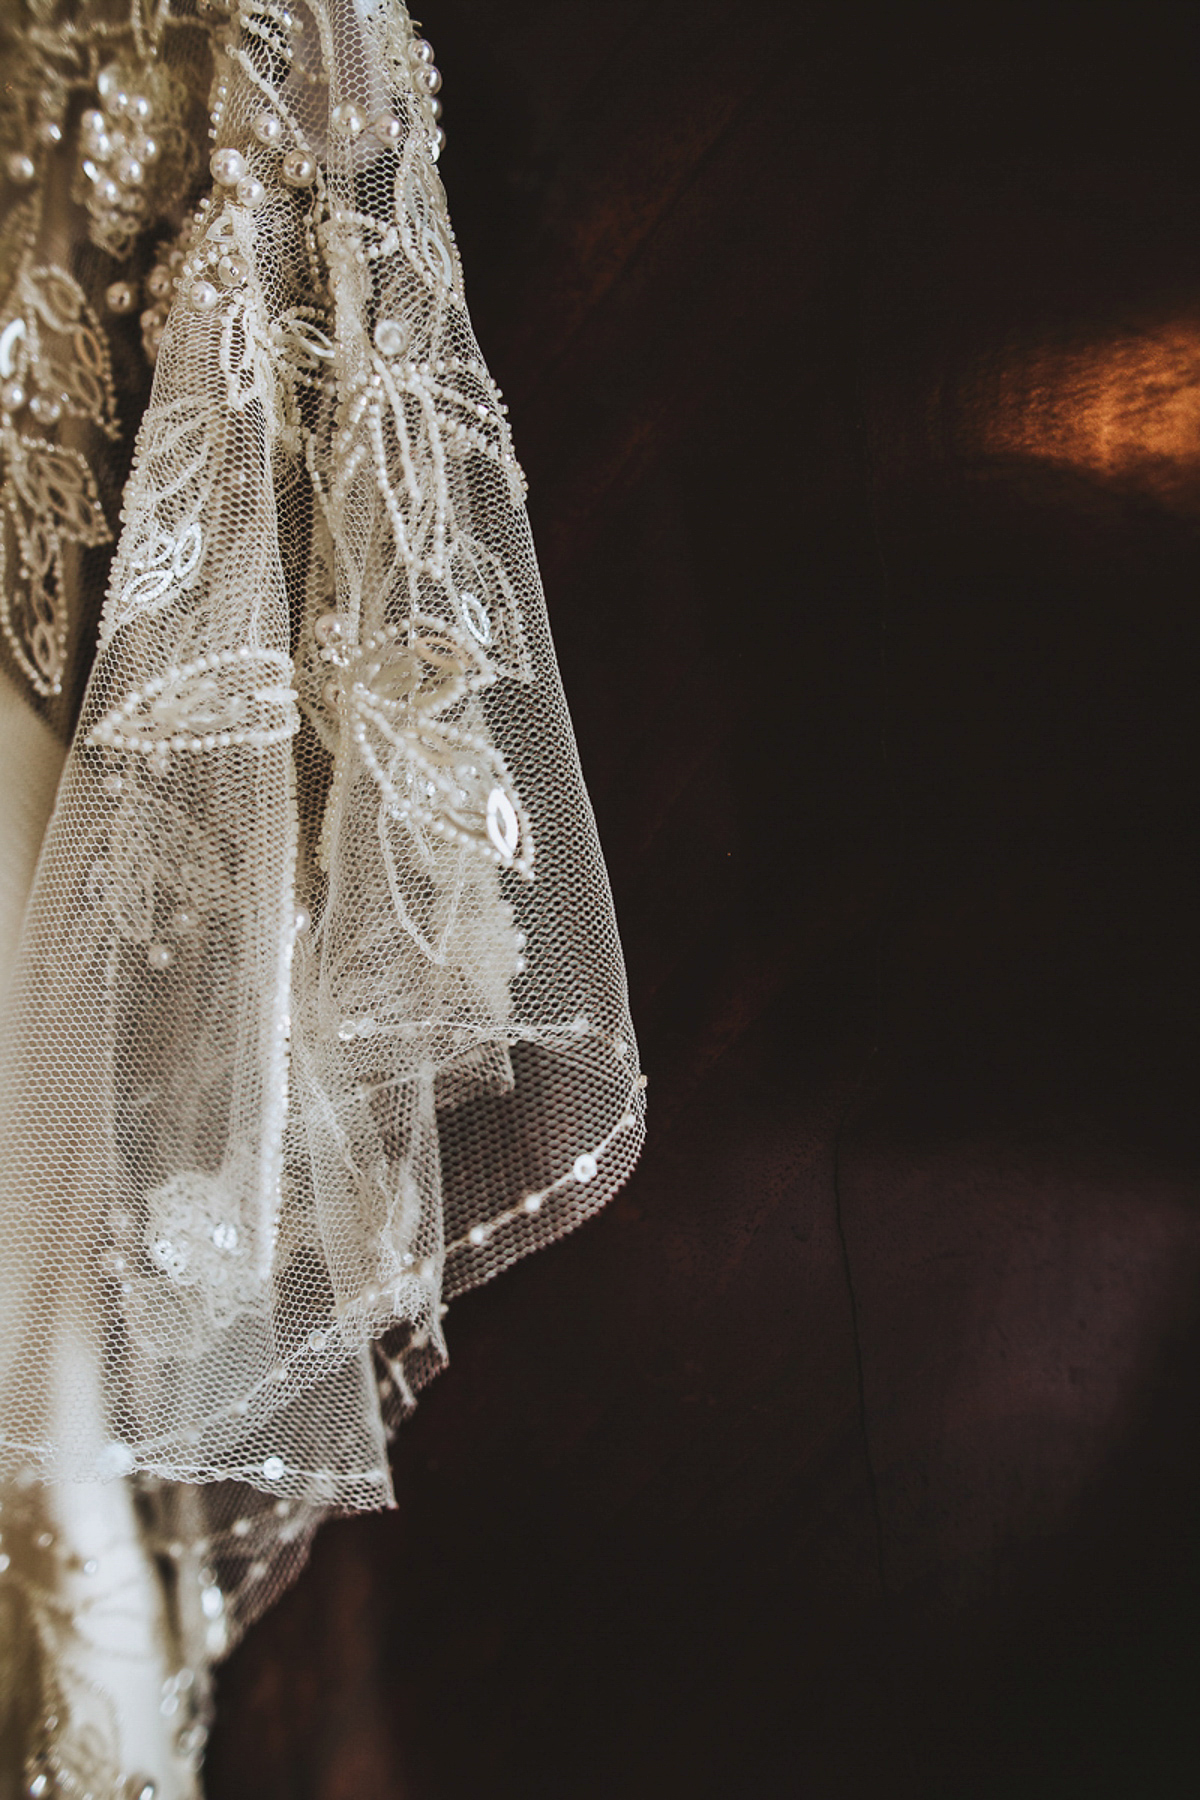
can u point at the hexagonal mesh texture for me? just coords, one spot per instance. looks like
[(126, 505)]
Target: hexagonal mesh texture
[(320, 1015)]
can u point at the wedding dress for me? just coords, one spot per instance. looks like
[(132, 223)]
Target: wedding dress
[(317, 1015)]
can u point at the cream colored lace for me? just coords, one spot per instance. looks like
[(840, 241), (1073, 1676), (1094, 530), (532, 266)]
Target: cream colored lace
[(319, 1016)]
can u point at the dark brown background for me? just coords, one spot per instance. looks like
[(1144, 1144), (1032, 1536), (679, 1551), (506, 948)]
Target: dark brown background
[(854, 358)]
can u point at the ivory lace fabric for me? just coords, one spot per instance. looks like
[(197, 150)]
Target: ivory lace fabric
[(318, 1015)]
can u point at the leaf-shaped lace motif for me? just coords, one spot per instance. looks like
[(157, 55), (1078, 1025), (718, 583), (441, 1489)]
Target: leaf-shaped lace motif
[(227, 698), (67, 349), (432, 773)]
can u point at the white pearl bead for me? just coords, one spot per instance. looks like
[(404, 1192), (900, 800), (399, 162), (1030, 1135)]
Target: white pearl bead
[(422, 50), (91, 122), (303, 919), (45, 409), (128, 169), (203, 296), (12, 396), (273, 1468), (49, 132), (328, 628), (348, 118), (298, 170), (228, 166), (159, 956), (159, 282), (108, 192), (429, 79), (138, 107), (267, 129), (391, 337), (387, 128), (250, 192), (438, 144), (120, 297), (21, 168), (585, 1168), (149, 149)]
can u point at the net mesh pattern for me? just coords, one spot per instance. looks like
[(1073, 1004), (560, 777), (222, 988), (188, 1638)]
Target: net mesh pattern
[(320, 1015)]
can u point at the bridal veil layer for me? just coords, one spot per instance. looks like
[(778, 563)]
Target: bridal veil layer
[(316, 1014)]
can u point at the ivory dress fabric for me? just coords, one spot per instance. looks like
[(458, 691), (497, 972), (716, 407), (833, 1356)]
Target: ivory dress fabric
[(318, 1014)]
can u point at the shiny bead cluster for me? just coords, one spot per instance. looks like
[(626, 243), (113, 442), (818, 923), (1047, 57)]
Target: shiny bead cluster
[(120, 149), (161, 283), (427, 82)]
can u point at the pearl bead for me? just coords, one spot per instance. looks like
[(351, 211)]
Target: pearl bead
[(429, 79), (422, 50), (148, 149), (391, 337), (203, 296), (439, 143), (435, 107), (12, 396), (328, 628), (348, 118), (228, 166), (108, 192), (159, 956), (387, 128), (120, 297), (585, 1168), (303, 919), (129, 170), (138, 107), (232, 269), (331, 693), (250, 192), (267, 129), (107, 80), (49, 132), (273, 1468), (20, 168), (298, 170), (159, 282), (185, 920)]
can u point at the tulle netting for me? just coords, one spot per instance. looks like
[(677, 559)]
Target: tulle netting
[(320, 1015)]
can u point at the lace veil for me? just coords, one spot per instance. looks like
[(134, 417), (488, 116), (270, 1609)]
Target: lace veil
[(319, 1013)]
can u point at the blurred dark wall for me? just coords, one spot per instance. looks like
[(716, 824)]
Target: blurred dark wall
[(854, 359)]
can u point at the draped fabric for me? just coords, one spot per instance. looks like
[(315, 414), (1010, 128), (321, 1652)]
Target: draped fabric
[(318, 1015)]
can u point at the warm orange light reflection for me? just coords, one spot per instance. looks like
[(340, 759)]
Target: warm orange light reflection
[(1128, 408)]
